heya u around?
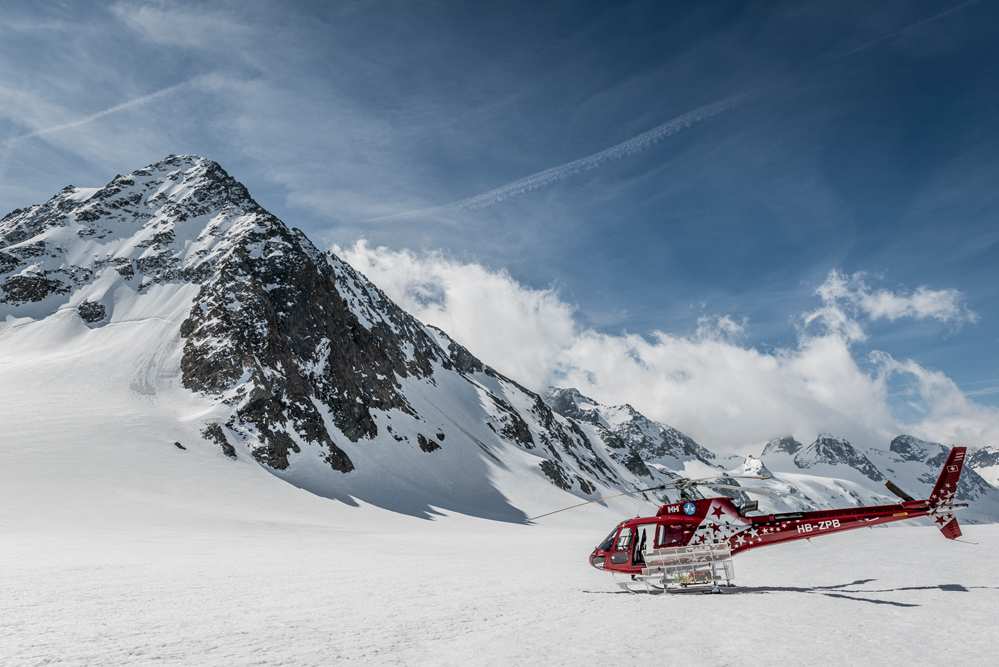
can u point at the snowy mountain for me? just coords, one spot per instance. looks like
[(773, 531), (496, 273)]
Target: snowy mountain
[(170, 302), (831, 472), (294, 358), (634, 436)]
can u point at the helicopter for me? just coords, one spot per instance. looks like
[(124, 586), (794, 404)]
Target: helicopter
[(690, 544)]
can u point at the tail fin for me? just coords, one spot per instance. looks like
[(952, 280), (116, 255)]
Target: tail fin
[(942, 498)]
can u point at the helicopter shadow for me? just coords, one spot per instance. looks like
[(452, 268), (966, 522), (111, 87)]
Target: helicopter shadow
[(841, 591)]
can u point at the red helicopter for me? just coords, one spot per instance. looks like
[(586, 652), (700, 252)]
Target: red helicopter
[(691, 543)]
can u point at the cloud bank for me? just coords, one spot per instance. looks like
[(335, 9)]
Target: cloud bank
[(723, 393)]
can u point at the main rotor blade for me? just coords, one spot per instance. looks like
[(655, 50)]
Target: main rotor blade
[(707, 479), (897, 490), (617, 495), (742, 488)]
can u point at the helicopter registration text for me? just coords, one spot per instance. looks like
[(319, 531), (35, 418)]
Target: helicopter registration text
[(821, 525)]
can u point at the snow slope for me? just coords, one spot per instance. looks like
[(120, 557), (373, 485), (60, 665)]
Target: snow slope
[(189, 303), (832, 473), (132, 537), (120, 548)]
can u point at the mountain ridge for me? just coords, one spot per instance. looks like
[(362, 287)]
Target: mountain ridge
[(296, 360)]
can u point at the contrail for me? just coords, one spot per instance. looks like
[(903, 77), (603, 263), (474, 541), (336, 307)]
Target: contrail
[(639, 143), (900, 31), (542, 178), (95, 116), (12, 141)]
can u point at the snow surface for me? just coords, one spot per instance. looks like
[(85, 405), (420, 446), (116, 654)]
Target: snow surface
[(121, 548), (325, 584)]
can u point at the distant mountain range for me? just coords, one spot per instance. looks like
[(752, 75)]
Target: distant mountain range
[(294, 359)]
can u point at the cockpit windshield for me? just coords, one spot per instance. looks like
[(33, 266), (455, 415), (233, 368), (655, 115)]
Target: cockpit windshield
[(609, 542)]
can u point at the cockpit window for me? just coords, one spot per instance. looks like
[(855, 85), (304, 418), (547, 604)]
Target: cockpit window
[(623, 540), (609, 542)]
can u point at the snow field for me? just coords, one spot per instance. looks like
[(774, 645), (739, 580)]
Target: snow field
[(469, 591), (118, 548)]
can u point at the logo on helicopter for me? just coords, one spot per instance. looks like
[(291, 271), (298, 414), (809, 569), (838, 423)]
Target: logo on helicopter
[(689, 509)]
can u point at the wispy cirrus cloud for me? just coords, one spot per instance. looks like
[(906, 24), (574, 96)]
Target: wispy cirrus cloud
[(561, 172), (197, 27), (94, 116), (10, 143)]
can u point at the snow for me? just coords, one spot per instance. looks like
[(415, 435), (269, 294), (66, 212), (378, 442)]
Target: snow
[(82, 194), (325, 584), (119, 548)]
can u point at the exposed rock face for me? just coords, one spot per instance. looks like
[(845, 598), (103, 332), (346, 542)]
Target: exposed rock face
[(91, 311), (31, 287), (910, 448), (214, 433), (986, 457), (313, 371), (624, 428), (426, 445), (304, 353), (787, 445), (272, 310), (837, 451)]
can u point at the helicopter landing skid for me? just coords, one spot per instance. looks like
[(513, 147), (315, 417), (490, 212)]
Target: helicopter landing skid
[(702, 569)]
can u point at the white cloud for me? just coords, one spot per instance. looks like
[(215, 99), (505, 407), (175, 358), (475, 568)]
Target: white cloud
[(520, 331), (845, 297), (726, 395), (720, 327)]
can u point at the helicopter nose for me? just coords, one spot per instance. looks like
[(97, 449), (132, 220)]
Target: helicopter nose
[(597, 560)]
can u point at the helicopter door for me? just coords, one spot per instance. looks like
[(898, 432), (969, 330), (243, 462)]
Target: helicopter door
[(645, 536), (622, 547), (669, 535)]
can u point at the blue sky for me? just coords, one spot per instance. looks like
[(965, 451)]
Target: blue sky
[(867, 141)]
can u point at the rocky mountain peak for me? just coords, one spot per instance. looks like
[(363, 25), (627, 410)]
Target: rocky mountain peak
[(830, 450), (911, 448), (170, 221), (985, 457), (298, 360), (568, 402), (755, 466), (786, 445), (627, 429)]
